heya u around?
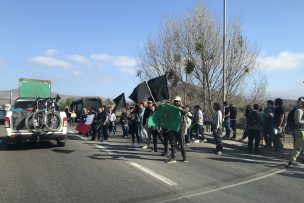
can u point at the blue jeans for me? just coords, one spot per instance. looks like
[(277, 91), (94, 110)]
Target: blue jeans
[(125, 130), (227, 127)]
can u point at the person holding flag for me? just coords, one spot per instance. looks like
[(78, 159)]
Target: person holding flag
[(178, 136)]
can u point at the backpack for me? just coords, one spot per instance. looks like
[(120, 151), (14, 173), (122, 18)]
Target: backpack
[(253, 118), (290, 118)]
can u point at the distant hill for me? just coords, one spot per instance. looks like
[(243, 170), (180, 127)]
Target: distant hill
[(5, 96)]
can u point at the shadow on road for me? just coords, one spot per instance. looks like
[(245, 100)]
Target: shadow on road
[(27, 146)]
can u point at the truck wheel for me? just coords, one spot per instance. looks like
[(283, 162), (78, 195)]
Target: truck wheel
[(61, 143), (52, 121)]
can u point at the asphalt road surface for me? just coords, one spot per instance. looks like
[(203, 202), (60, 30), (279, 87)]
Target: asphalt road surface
[(86, 171)]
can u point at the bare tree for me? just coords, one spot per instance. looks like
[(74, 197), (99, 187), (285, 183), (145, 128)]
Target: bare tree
[(189, 49)]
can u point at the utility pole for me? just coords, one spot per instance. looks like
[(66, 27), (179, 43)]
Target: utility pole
[(224, 54)]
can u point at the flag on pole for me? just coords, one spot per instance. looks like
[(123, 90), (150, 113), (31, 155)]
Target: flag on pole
[(159, 88), (140, 93), (120, 102), (166, 116), (155, 89)]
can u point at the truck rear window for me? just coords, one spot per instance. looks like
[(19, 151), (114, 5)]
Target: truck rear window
[(25, 105)]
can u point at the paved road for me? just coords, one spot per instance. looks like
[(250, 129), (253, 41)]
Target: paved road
[(86, 171)]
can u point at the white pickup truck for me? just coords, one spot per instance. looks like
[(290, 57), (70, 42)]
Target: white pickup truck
[(16, 130)]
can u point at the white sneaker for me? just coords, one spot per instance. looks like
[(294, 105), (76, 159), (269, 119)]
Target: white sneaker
[(145, 147), (204, 140), (196, 141)]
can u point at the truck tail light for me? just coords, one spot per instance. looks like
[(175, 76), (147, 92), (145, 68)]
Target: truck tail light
[(65, 122), (7, 122)]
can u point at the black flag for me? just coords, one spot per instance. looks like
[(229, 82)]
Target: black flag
[(140, 93), (159, 88), (120, 102)]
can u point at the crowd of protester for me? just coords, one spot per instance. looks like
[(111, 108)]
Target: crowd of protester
[(266, 124)]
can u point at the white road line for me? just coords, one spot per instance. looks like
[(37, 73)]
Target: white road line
[(83, 138), (223, 188), (104, 149), (152, 173)]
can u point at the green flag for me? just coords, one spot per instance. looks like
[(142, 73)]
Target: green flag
[(166, 116)]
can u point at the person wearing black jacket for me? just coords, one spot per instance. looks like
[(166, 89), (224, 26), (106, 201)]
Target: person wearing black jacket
[(226, 120), (233, 114), (98, 118), (147, 114), (124, 123), (94, 125)]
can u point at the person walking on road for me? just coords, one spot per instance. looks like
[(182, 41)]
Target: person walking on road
[(147, 114), (278, 121), (73, 117), (299, 133), (247, 112), (123, 120), (268, 124), (180, 135), (155, 131), (227, 120), (94, 125), (233, 115), (216, 128), (112, 124), (140, 120), (255, 122), (198, 124), (134, 125), (105, 122)]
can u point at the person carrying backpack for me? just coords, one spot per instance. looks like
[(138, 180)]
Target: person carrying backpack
[(299, 132), (255, 125), (291, 121)]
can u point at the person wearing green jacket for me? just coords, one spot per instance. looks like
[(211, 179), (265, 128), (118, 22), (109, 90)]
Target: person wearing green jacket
[(299, 133), (255, 122)]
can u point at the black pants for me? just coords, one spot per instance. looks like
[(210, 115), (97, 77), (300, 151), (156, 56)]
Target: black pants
[(267, 136), (253, 135), (217, 134), (72, 122), (173, 138), (94, 132), (99, 132), (245, 134), (233, 127), (105, 132), (165, 133), (156, 135), (134, 132)]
